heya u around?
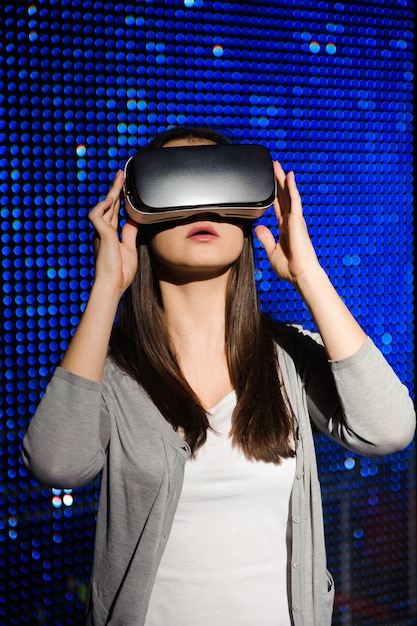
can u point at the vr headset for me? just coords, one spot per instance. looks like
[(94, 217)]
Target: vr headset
[(163, 184)]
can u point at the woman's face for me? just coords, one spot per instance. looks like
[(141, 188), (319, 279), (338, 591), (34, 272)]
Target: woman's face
[(203, 246)]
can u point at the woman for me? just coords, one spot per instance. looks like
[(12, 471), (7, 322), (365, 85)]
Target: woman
[(198, 410)]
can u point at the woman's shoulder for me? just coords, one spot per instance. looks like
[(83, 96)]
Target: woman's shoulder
[(299, 348), (290, 337), (115, 376)]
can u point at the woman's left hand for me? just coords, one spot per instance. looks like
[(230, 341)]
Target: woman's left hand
[(293, 254)]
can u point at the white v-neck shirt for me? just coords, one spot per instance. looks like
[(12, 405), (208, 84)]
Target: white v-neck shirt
[(226, 560)]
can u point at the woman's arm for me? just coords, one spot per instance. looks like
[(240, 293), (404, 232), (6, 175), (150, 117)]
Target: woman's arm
[(357, 399), (66, 440), (294, 259), (116, 265), (68, 435)]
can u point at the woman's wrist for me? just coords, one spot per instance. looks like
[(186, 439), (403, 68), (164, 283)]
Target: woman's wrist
[(106, 290), (311, 280)]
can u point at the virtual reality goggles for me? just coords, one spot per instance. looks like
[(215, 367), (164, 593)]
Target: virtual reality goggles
[(163, 184)]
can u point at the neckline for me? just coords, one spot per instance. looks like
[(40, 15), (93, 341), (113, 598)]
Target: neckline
[(223, 400)]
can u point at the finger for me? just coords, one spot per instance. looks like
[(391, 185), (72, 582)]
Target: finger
[(115, 195), (266, 238), (112, 200), (102, 214), (117, 186), (108, 208), (281, 178), (282, 203), (292, 186), (129, 234), (101, 208), (294, 194), (279, 174), (277, 210)]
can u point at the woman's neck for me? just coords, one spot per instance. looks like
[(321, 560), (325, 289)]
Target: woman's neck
[(195, 312), (195, 318)]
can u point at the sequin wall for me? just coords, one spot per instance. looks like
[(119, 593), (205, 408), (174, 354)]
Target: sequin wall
[(327, 87)]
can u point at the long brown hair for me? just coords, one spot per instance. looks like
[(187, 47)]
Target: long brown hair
[(262, 424)]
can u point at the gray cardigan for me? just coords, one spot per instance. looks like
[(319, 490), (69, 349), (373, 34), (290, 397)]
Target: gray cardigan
[(81, 428)]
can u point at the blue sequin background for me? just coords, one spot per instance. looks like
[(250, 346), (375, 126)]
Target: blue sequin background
[(328, 88)]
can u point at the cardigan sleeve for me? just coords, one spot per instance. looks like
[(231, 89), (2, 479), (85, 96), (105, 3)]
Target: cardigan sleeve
[(65, 443), (374, 405), (358, 401)]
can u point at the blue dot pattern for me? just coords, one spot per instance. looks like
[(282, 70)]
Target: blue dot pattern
[(327, 87)]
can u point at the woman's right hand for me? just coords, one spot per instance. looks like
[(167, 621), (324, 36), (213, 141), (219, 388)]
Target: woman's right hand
[(116, 259)]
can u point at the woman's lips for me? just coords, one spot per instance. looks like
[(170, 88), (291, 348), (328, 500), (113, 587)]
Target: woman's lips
[(202, 231)]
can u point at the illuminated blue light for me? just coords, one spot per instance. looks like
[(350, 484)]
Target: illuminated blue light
[(314, 47), (88, 86)]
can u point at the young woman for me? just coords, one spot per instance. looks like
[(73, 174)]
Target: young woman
[(198, 410)]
